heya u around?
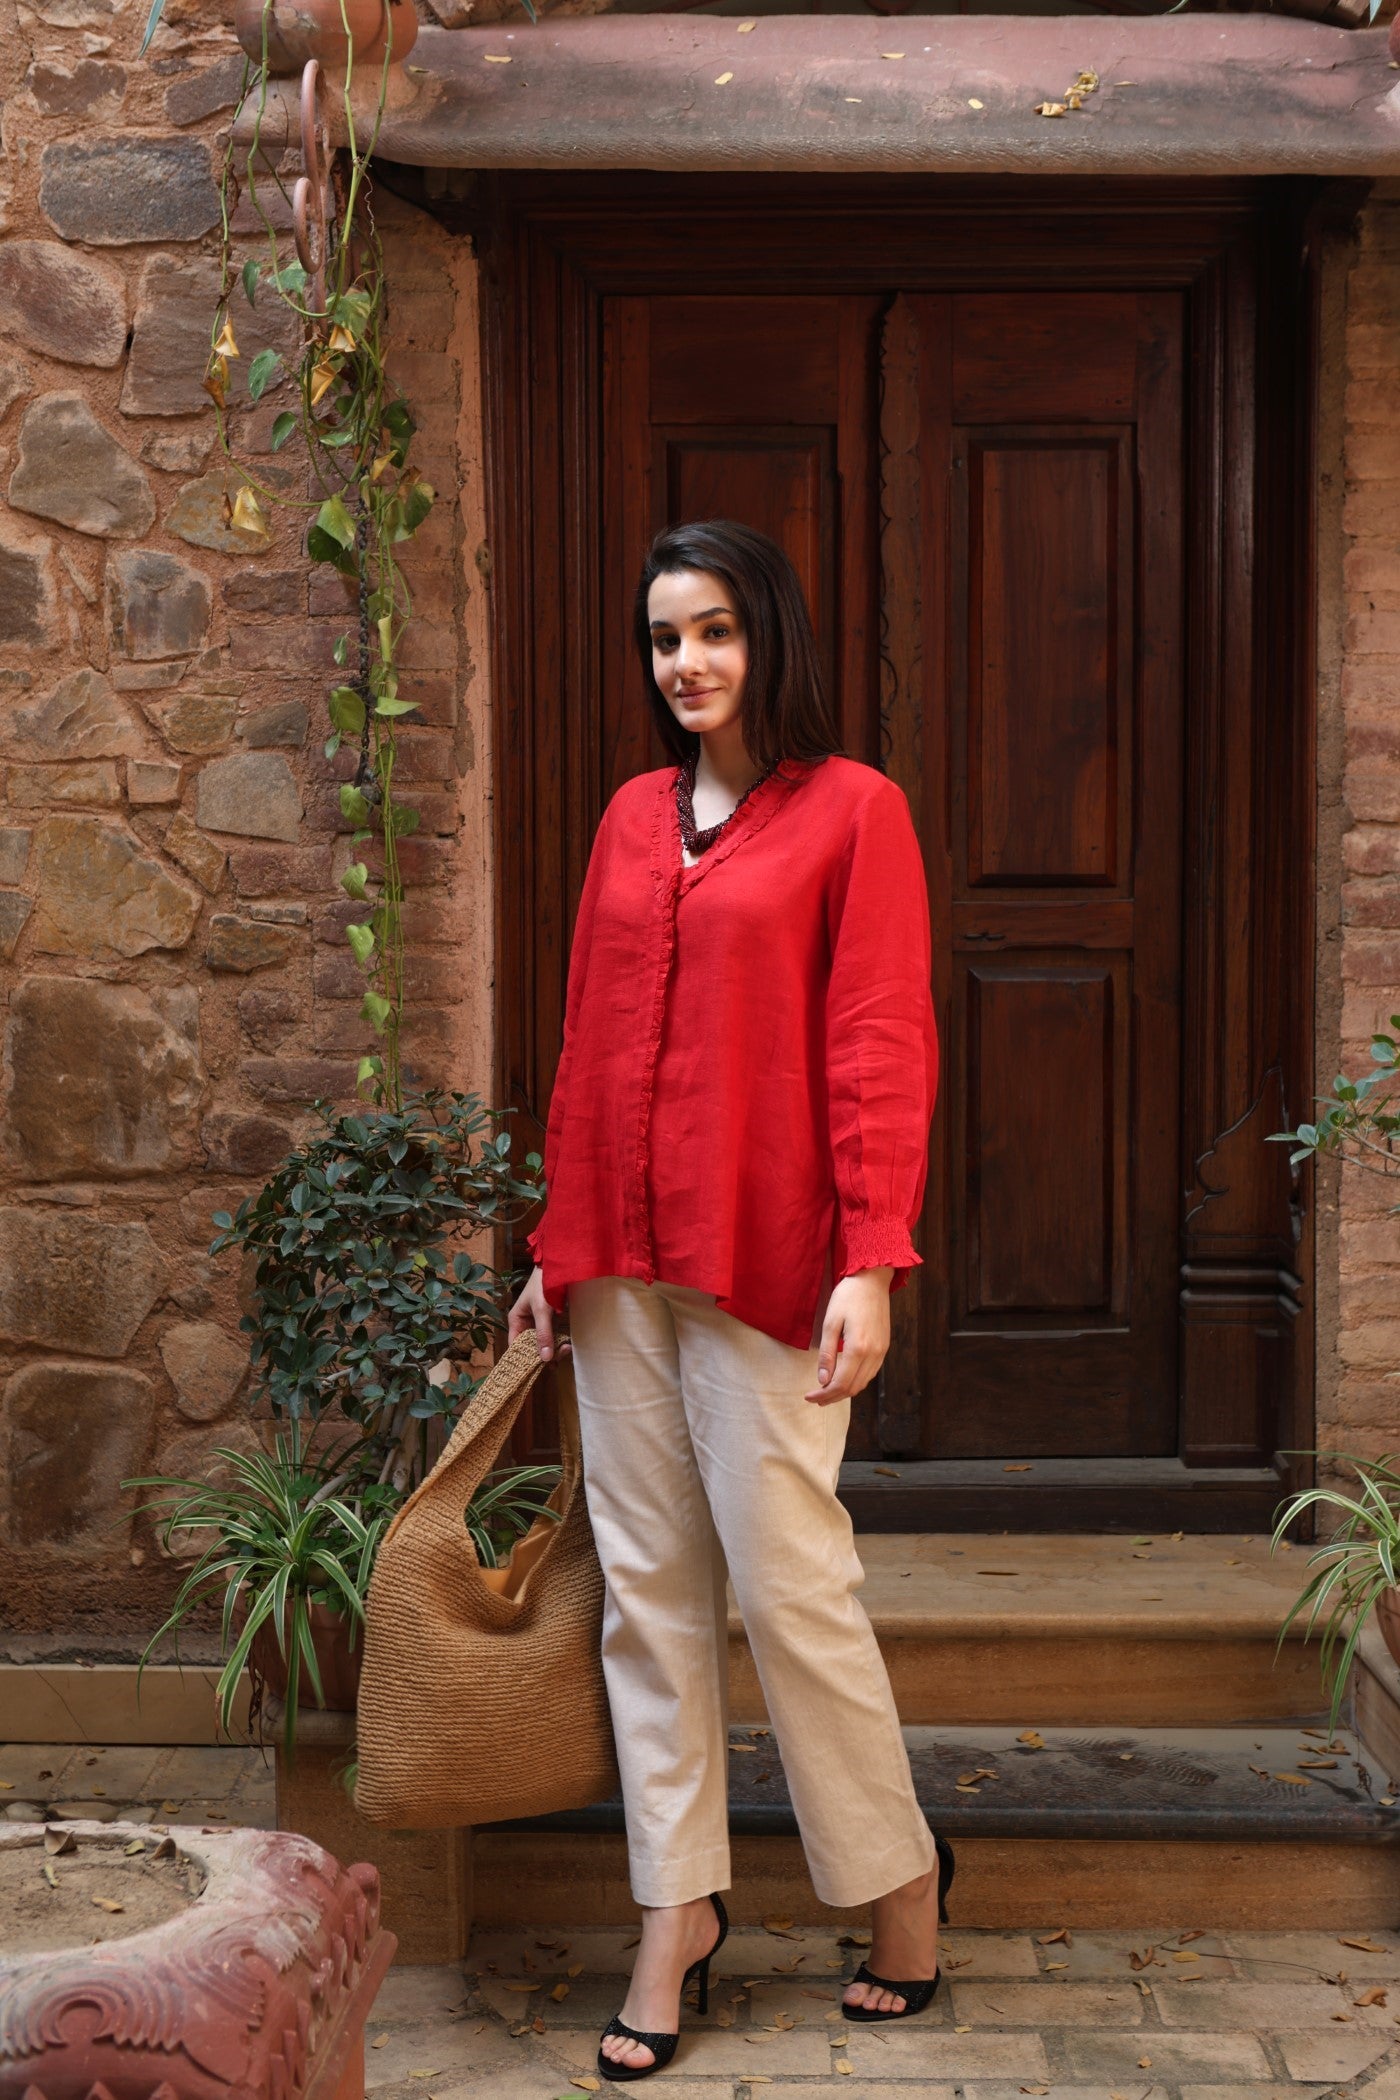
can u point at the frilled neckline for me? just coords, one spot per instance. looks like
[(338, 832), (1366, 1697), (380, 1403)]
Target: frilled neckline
[(762, 803)]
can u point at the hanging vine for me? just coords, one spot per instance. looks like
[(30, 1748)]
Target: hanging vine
[(365, 497)]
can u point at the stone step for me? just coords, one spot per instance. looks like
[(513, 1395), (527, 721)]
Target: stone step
[(1076, 1630), (1124, 1827)]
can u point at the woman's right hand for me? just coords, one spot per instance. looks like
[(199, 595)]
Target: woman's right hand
[(533, 1309)]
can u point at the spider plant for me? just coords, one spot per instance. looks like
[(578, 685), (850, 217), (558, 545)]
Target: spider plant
[(282, 1543), (1353, 1568), (505, 1506)]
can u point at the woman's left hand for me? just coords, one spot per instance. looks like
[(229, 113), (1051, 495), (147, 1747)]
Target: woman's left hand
[(855, 1335)]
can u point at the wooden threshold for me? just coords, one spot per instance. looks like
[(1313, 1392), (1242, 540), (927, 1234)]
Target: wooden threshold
[(1058, 1494)]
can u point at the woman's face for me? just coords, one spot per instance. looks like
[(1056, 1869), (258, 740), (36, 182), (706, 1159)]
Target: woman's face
[(699, 652)]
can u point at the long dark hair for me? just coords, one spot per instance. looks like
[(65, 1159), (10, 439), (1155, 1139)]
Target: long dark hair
[(784, 712)]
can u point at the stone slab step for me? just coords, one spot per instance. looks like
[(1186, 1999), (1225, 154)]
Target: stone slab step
[(1076, 1630), (1125, 1827)]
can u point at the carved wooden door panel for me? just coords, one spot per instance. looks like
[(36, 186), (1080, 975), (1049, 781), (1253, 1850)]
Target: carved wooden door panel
[(1036, 714)]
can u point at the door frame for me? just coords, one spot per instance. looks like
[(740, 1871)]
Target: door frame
[(552, 247)]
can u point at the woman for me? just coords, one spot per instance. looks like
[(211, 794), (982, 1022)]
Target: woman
[(736, 1153)]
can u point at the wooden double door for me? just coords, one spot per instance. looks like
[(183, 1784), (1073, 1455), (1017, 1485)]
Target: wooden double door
[(1047, 530)]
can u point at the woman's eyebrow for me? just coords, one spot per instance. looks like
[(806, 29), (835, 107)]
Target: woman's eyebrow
[(708, 614)]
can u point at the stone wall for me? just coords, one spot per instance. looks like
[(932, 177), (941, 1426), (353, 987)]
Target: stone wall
[(178, 985), (1359, 1351)]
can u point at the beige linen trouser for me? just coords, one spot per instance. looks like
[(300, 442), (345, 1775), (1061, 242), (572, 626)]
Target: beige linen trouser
[(699, 1450)]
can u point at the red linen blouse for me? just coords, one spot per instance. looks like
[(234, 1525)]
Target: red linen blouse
[(750, 1055)]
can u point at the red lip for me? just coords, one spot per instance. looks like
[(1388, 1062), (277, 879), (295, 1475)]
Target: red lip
[(703, 693)]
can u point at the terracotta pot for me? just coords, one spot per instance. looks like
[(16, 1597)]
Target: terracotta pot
[(337, 1661), (259, 1986), (301, 29), (1388, 1619)]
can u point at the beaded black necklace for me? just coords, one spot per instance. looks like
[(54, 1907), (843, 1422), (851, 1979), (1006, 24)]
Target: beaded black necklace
[(696, 841)]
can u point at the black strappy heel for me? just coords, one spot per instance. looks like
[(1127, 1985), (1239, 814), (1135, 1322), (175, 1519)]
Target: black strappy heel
[(919, 1990), (663, 2046)]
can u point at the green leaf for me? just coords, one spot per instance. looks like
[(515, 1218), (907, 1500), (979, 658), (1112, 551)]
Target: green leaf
[(354, 880), (291, 278), (386, 706), (370, 1068), (353, 805), (342, 643), (336, 522), (404, 821), (347, 710), (376, 1009), (152, 24), (282, 428), (260, 373), (361, 939), (251, 271), (418, 501), (331, 745), (321, 547)]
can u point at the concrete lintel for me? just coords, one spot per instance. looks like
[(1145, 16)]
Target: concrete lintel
[(1217, 94)]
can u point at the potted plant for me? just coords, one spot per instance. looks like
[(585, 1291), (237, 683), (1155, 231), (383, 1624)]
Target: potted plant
[(1355, 1569), (360, 1304)]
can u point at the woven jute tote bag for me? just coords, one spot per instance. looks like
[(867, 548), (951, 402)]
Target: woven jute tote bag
[(480, 1702)]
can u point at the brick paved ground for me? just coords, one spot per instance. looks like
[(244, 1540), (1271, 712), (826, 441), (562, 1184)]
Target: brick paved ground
[(1228, 2016), (1095, 2016)]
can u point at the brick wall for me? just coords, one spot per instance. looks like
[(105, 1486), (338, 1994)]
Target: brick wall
[(178, 987), (1359, 1357)]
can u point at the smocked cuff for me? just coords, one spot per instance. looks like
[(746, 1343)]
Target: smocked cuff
[(877, 1243)]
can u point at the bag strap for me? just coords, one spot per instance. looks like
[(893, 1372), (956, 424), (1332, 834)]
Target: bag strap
[(485, 1423)]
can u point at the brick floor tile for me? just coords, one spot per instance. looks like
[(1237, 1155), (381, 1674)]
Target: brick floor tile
[(1048, 2004), (22, 1763), (191, 1774), (829, 2088), (536, 2080), (1264, 2007), (1385, 2085), (979, 2090), (1281, 2089), (424, 1992), (1114, 2058), (1276, 1956), (603, 1949), (122, 1773), (1322, 2059), (448, 2050), (909, 2048), (1095, 1954), (971, 1954)]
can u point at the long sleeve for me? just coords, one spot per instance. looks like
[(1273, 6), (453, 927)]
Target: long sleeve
[(881, 1038), (578, 971)]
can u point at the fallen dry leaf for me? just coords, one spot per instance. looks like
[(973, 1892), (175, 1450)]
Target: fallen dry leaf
[(49, 1875), (559, 1993), (1365, 1943), (1020, 1468), (497, 58), (777, 1924), (1049, 109), (973, 103), (1032, 1738), (107, 1903), (587, 2085), (512, 1985), (723, 79), (1055, 1965), (1292, 1778), (1055, 1939), (1375, 1996), (575, 1969), (888, 1470), (890, 54), (1144, 2063), (58, 1841), (379, 2041)]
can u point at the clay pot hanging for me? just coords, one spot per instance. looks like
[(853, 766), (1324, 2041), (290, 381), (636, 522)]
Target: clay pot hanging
[(298, 30)]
